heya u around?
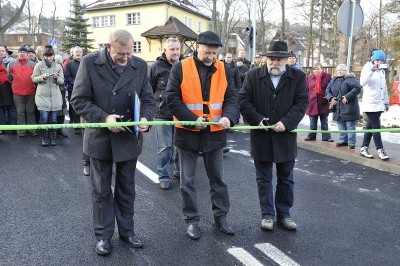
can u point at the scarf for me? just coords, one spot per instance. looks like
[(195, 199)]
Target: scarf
[(48, 63), (318, 85)]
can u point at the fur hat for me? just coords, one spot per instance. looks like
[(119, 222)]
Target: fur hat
[(378, 55), (277, 49)]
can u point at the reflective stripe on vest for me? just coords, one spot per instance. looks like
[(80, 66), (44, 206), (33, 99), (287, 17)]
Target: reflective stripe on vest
[(192, 93)]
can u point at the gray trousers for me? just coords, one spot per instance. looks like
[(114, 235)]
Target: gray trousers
[(25, 105), (214, 164), (107, 208)]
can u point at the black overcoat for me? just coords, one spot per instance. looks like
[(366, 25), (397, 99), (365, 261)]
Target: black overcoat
[(99, 92), (287, 103)]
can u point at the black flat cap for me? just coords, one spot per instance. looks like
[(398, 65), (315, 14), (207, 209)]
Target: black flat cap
[(209, 38)]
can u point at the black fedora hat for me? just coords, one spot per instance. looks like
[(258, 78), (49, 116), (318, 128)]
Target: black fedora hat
[(277, 49)]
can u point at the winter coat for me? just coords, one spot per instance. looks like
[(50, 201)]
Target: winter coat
[(242, 72), (70, 70), (99, 92), (159, 75), (259, 99), (20, 74), (203, 140), (318, 105), (375, 94), (348, 87), (48, 95), (236, 77), (6, 95)]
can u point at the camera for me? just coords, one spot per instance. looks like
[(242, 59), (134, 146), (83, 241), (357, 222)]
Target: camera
[(382, 66)]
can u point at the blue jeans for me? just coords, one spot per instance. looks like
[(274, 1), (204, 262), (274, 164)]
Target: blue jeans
[(165, 151), (48, 117), (374, 122), (324, 126), (347, 125), (284, 195), (8, 115)]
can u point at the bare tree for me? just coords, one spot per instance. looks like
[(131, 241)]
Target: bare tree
[(282, 3), (53, 20), (8, 24)]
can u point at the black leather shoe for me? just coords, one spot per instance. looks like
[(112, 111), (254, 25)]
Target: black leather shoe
[(224, 227), (103, 247), (341, 144), (193, 231), (225, 150), (328, 140), (309, 139), (133, 241)]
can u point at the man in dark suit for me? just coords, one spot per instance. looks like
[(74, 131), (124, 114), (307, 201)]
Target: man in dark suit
[(108, 87), (274, 94)]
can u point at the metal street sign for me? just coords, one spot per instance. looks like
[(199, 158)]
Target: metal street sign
[(344, 18), (53, 43)]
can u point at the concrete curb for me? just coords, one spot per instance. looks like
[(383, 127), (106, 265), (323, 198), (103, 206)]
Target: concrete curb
[(391, 166)]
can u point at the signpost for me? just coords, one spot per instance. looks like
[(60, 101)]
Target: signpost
[(53, 42), (350, 21)]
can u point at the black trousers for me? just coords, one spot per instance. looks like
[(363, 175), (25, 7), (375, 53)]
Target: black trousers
[(73, 116), (106, 207)]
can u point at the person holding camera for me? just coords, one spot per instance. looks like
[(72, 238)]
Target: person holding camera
[(375, 101), (48, 76), (342, 94)]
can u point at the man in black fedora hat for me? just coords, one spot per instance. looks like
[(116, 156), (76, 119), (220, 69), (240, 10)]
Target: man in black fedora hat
[(284, 90), (200, 88)]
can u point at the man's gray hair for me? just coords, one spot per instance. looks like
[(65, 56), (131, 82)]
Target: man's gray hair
[(342, 66), (171, 39), (120, 36)]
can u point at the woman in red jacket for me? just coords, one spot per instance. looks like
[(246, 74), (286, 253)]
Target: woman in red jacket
[(318, 106)]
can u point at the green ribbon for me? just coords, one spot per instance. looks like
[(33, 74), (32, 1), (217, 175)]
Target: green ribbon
[(172, 123)]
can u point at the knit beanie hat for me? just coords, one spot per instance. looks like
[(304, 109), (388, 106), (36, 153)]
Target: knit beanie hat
[(23, 49), (378, 55)]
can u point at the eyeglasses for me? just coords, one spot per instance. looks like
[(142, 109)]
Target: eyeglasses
[(257, 57)]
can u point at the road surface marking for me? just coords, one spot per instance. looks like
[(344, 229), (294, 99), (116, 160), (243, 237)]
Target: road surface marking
[(244, 257), (147, 172), (276, 255)]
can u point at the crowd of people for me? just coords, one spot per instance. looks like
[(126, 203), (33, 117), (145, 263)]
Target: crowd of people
[(113, 85)]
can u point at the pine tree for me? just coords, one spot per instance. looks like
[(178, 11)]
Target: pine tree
[(76, 30)]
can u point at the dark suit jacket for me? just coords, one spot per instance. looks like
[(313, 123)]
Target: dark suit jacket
[(287, 103), (99, 92)]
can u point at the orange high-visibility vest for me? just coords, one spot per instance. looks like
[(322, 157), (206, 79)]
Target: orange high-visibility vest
[(192, 95)]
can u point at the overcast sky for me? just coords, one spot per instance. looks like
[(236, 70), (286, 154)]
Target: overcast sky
[(63, 8)]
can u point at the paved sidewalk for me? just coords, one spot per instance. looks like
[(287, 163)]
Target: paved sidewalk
[(329, 148)]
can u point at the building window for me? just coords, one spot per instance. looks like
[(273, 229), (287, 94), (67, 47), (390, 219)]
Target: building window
[(21, 39), (137, 47), (188, 22), (199, 26), (133, 18), (103, 21)]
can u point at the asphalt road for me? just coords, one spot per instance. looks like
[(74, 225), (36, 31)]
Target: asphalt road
[(347, 214)]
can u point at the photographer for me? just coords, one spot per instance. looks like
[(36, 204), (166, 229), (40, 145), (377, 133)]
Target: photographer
[(342, 94), (375, 101)]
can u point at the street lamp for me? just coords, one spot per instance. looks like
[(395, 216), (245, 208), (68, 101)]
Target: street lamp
[(299, 55)]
